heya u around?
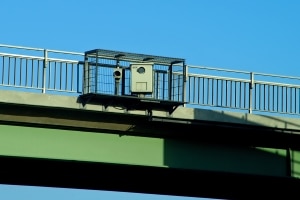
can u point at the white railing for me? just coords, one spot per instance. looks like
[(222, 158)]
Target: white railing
[(53, 71), (40, 72), (254, 92)]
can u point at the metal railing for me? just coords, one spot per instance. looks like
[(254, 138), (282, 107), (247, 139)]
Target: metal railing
[(253, 92), (37, 72), (61, 72)]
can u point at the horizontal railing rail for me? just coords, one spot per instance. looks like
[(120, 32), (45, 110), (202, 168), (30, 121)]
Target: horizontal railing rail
[(61, 72)]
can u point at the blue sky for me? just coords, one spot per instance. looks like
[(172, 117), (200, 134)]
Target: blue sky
[(256, 35), (259, 36), (9, 192)]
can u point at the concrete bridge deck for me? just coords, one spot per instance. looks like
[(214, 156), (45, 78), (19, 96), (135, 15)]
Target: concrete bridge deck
[(69, 112)]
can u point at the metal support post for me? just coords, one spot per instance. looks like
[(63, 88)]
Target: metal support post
[(250, 91), (44, 69)]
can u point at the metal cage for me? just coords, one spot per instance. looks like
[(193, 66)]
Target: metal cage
[(110, 73)]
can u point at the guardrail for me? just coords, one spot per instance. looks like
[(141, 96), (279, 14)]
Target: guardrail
[(41, 72), (243, 90), (61, 72)]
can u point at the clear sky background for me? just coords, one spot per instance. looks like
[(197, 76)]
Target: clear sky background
[(249, 35)]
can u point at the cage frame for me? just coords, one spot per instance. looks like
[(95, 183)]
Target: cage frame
[(127, 100)]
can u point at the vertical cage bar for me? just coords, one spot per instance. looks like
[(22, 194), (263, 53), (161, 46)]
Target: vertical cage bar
[(96, 73), (170, 82)]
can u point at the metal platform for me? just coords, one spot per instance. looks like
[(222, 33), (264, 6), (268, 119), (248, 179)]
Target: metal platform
[(130, 102)]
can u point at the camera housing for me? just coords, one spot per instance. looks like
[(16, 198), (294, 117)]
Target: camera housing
[(141, 77)]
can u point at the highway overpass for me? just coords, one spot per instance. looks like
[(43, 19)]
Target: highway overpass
[(72, 140)]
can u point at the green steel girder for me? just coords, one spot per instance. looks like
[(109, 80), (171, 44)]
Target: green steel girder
[(60, 147)]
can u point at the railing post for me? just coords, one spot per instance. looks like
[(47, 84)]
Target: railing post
[(185, 77), (44, 69), (170, 82), (86, 76), (250, 91)]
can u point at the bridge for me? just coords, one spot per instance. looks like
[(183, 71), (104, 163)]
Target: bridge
[(201, 132)]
